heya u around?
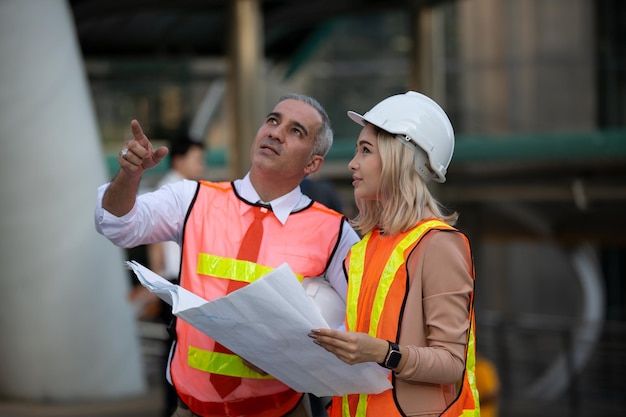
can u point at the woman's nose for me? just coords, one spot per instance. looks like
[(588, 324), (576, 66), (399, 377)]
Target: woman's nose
[(352, 164)]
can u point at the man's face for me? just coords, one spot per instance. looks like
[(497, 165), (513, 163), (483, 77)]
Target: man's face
[(283, 143)]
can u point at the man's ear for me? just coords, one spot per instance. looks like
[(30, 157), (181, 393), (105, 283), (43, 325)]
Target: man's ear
[(314, 164)]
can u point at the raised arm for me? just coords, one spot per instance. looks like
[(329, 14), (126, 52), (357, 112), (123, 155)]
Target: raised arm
[(137, 157)]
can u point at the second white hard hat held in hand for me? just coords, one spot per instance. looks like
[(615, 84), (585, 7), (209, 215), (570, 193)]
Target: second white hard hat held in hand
[(327, 301)]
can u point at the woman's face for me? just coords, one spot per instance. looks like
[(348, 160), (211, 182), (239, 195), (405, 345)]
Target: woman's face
[(366, 165)]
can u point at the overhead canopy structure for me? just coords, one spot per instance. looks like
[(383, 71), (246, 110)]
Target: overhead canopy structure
[(118, 28), (572, 184), (248, 32)]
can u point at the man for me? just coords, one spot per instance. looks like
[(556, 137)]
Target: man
[(213, 220)]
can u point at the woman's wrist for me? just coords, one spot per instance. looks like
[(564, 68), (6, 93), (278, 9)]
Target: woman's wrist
[(393, 356), (385, 353)]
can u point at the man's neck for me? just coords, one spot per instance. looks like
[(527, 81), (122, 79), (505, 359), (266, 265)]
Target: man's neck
[(271, 190)]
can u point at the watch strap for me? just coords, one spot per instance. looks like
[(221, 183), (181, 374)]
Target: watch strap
[(384, 362), (392, 359)]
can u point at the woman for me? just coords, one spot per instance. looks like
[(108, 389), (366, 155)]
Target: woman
[(411, 281)]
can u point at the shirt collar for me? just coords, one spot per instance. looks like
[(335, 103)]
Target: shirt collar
[(281, 206)]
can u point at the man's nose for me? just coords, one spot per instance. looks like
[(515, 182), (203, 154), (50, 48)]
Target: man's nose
[(277, 132)]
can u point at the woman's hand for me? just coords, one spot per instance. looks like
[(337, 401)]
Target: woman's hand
[(351, 347)]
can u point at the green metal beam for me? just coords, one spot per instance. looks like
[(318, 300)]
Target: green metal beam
[(308, 48), (598, 145), (591, 146)]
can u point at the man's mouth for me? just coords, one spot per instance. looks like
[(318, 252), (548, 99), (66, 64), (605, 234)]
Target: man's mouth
[(269, 148)]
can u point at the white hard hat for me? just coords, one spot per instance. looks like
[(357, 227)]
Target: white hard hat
[(327, 301), (418, 121)]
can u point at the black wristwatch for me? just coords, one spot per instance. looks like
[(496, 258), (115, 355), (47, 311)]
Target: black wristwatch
[(392, 360)]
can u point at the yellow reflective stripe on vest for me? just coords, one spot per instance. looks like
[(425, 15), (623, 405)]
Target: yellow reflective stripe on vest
[(355, 277), (361, 408), (233, 269), (221, 363), (470, 369), (357, 266), (396, 260)]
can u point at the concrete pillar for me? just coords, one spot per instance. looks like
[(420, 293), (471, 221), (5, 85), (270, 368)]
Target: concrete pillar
[(244, 95), (428, 75), (67, 331)]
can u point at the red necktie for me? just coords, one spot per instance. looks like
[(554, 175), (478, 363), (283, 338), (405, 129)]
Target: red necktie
[(248, 251), (251, 242)]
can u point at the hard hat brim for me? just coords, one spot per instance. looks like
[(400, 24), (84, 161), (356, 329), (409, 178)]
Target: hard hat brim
[(356, 117)]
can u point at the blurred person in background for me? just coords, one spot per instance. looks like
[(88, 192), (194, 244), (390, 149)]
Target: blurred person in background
[(187, 161), (212, 220), (322, 191), (411, 278)]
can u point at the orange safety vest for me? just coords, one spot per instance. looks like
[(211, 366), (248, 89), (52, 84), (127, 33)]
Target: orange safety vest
[(214, 228), (381, 317)]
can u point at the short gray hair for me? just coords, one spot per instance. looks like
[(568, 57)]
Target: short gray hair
[(324, 136)]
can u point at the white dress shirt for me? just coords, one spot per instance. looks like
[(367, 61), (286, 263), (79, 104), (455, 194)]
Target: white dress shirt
[(159, 216), (171, 249)]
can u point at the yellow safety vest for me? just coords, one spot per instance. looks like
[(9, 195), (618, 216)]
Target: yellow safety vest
[(381, 316)]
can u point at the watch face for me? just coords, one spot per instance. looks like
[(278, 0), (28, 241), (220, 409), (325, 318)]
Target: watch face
[(394, 359)]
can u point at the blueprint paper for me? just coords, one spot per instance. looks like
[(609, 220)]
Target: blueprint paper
[(266, 323)]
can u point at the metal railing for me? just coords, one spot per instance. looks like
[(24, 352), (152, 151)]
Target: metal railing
[(554, 366)]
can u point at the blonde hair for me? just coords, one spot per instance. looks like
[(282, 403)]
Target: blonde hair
[(404, 192)]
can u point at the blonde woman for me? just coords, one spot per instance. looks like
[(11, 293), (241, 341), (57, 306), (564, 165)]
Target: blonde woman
[(411, 278)]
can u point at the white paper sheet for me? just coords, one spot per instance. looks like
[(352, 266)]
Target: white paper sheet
[(267, 323)]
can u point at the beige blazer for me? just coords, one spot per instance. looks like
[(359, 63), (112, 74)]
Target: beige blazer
[(435, 323)]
